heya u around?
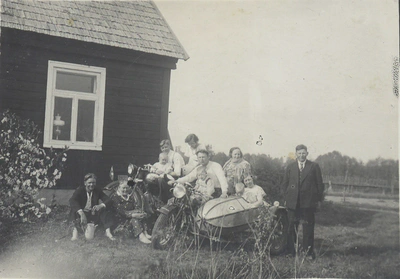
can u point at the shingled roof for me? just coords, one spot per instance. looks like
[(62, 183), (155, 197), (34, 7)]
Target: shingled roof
[(136, 25)]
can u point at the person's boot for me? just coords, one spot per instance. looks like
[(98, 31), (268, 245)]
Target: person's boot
[(144, 239), (74, 234)]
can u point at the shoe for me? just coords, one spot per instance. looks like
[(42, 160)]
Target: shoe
[(109, 235), (147, 235), (74, 235), (144, 239)]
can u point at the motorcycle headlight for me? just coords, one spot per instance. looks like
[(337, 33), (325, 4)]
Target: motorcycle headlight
[(179, 191), (130, 168), (276, 203)]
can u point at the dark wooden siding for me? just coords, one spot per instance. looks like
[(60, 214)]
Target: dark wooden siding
[(136, 99)]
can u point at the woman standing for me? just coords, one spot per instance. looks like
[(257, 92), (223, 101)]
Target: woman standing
[(193, 146), (236, 168)]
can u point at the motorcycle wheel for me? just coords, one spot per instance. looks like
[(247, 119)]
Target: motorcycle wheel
[(166, 229), (280, 233)]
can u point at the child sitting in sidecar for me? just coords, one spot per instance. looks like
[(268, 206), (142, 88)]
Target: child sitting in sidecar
[(252, 193)]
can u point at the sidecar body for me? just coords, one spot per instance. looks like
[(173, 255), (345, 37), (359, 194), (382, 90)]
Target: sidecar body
[(226, 215)]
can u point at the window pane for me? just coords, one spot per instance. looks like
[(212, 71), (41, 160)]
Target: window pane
[(75, 82), (62, 119), (85, 125)]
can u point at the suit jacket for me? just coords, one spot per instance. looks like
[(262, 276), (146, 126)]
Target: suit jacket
[(310, 187), (79, 199)]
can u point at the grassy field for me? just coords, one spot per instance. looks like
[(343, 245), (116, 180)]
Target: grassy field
[(350, 243)]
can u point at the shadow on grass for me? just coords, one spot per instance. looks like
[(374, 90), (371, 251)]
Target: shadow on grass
[(362, 250), (333, 215)]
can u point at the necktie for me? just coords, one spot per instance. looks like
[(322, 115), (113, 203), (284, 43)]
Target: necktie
[(301, 167)]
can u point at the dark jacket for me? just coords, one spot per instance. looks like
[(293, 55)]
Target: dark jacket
[(79, 199), (310, 188)]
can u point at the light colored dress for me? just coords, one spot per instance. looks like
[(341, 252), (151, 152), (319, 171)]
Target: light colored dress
[(193, 162), (235, 172)]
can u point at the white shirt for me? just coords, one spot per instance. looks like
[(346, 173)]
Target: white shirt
[(214, 171), (176, 161), (299, 164), (88, 205), (254, 194), (191, 153)]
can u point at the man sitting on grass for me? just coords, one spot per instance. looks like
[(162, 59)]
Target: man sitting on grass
[(86, 207)]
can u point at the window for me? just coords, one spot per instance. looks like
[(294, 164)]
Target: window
[(74, 106)]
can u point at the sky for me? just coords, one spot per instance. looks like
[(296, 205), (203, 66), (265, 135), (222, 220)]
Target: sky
[(283, 73)]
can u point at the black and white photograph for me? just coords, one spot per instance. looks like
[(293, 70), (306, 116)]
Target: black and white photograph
[(199, 139)]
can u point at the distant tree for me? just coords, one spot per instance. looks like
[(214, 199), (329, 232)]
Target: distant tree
[(220, 158), (268, 173)]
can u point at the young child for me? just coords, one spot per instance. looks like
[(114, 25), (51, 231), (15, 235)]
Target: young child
[(162, 166), (205, 186), (254, 194)]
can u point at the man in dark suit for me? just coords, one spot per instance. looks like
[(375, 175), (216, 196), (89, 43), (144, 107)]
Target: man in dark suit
[(88, 204), (303, 188)]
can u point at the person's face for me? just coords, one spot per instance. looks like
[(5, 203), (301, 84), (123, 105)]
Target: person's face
[(90, 184), (301, 155), (203, 159), (124, 189), (164, 160), (248, 181), (192, 144), (202, 176), (236, 155), (165, 148)]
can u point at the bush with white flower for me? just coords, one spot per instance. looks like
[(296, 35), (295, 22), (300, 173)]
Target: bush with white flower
[(25, 168)]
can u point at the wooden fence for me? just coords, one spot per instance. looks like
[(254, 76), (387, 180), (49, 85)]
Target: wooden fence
[(354, 187)]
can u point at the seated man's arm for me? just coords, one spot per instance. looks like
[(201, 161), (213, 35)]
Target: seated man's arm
[(188, 178)]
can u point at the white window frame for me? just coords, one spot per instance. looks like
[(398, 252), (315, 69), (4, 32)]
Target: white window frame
[(98, 97)]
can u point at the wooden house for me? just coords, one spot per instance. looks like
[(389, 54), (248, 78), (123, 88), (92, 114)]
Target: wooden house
[(93, 75)]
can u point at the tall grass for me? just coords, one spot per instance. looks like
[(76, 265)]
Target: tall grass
[(208, 257)]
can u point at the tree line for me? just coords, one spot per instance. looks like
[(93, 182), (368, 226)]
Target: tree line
[(335, 167)]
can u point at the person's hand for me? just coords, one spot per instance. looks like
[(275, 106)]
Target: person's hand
[(223, 195), (171, 182), (83, 219), (97, 207)]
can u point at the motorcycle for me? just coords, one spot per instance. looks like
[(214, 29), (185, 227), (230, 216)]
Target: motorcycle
[(230, 219), (147, 190)]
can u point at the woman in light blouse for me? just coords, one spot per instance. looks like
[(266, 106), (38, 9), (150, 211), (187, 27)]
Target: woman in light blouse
[(235, 169)]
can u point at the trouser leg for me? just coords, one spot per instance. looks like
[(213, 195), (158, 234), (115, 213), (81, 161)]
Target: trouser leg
[(293, 221), (308, 215), (89, 217)]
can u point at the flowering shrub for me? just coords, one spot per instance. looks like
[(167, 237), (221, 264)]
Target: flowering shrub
[(25, 168)]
